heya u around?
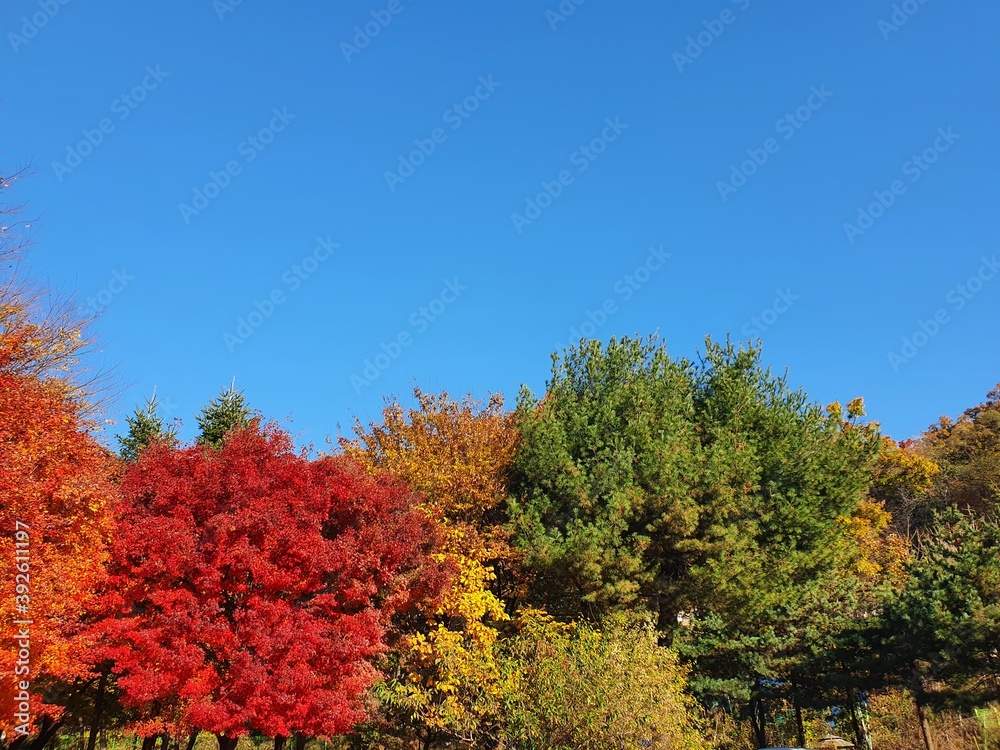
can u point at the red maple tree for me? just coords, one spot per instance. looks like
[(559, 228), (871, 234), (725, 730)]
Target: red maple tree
[(252, 587)]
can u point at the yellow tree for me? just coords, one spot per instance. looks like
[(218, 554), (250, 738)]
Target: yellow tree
[(904, 482), (879, 525), (901, 476), (456, 454)]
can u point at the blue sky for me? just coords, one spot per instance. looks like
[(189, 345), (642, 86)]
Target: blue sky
[(450, 190)]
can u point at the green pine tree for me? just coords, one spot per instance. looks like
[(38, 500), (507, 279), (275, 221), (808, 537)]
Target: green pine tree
[(708, 492), (226, 412), (144, 427), (942, 628)]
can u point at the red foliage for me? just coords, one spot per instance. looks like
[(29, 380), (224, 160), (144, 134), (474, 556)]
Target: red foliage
[(252, 587)]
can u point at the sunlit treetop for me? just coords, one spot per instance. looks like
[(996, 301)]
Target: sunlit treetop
[(145, 426), (225, 413)]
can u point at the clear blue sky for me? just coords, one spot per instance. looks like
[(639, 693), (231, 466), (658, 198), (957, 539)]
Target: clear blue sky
[(833, 101)]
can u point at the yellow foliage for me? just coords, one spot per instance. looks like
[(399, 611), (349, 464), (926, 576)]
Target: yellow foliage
[(902, 472), (901, 475), (881, 553), (856, 408), (594, 687), (38, 336), (456, 454)]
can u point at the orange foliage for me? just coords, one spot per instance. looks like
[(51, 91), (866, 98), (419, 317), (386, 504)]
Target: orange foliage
[(55, 488), (456, 453)]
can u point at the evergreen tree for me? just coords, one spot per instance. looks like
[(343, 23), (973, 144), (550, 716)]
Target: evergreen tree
[(602, 479), (226, 412), (935, 635), (144, 427), (942, 628), (707, 492), (680, 486)]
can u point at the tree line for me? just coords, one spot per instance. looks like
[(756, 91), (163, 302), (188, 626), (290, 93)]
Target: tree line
[(656, 551)]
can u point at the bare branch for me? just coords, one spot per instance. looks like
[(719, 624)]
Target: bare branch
[(43, 334)]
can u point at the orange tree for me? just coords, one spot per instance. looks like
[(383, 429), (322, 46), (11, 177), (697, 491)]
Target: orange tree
[(56, 495), (445, 681)]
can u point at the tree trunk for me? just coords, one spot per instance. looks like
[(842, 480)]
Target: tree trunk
[(192, 738), (800, 731), (852, 712), (925, 725), (148, 743), (300, 741), (865, 734), (165, 741), (46, 732), (758, 719), (95, 725), (227, 743), (279, 742)]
